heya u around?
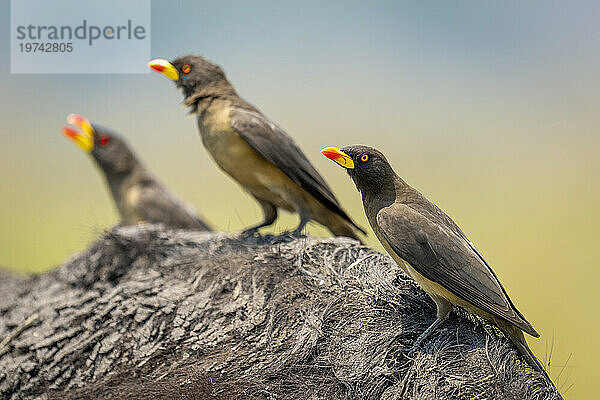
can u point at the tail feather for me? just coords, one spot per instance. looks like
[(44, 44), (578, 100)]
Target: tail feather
[(516, 337), (344, 229)]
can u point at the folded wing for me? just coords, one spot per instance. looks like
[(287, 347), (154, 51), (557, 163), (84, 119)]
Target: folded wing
[(277, 147), (449, 259)]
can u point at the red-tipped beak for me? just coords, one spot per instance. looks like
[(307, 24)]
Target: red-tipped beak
[(164, 67), (70, 132), (335, 154), (84, 138), (156, 67)]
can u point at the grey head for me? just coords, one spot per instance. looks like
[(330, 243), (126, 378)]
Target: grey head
[(108, 148), (369, 169), (111, 152), (194, 75)]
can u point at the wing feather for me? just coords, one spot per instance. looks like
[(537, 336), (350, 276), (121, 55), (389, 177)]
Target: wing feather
[(447, 258), (277, 147), (154, 204)]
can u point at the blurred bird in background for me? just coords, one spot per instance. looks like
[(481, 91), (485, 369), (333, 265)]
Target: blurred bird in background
[(138, 195), (254, 151), (431, 248)]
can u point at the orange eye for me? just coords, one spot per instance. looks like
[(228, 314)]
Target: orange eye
[(364, 158), (186, 68)]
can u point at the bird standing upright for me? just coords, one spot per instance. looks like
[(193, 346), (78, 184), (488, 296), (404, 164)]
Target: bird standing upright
[(431, 248), (254, 151), (139, 197)]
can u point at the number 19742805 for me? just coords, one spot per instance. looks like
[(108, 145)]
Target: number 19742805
[(32, 47)]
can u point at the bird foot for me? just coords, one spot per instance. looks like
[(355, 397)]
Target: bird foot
[(413, 349), (249, 232), (296, 233), (409, 351), (290, 234)]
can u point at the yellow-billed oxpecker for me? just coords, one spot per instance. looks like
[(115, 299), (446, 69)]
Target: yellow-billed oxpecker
[(139, 197), (431, 248), (254, 151)]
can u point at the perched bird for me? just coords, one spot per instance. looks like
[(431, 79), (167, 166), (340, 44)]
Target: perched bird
[(139, 197), (254, 151), (431, 248)]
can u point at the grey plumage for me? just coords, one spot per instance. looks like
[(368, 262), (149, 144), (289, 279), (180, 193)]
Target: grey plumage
[(431, 248), (267, 139), (253, 150), (137, 194), (437, 249)]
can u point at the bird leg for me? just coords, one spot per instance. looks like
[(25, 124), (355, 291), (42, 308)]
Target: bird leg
[(270, 215), (443, 310), (425, 334), (303, 221)]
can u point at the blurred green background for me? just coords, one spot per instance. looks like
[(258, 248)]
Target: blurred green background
[(491, 109)]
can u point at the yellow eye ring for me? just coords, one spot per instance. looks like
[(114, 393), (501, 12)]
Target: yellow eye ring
[(365, 157), (186, 68)]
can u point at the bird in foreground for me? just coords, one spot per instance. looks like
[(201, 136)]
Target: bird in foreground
[(254, 151), (431, 248), (139, 197)]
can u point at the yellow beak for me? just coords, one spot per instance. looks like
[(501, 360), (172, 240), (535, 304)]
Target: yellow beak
[(335, 154), (83, 139), (165, 68)]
